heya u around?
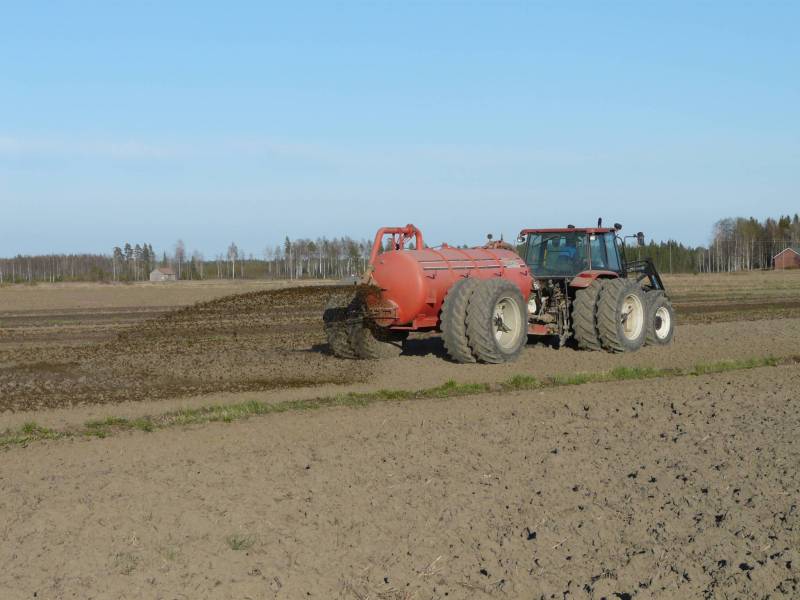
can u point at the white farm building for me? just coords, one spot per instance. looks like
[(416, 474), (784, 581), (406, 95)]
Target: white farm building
[(162, 274)]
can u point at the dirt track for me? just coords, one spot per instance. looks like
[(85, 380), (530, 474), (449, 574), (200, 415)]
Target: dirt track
[(674, 488)]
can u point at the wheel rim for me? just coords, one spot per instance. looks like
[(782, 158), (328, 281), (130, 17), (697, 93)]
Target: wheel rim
[(662, 323), (506, 322), (632, 316)]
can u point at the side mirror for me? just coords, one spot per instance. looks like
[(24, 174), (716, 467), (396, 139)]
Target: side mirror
[(521, 238), (640, 238)]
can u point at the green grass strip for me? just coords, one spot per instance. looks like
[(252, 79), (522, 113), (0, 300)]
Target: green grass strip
[(31, 432)]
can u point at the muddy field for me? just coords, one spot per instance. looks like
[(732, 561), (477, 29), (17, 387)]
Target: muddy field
[(55, 352), (253, 341), (680, 487)]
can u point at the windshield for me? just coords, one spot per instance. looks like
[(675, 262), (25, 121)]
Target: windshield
[(557, 254), (567, 254)]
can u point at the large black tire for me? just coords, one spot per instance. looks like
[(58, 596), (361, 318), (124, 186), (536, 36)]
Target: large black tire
[(454, 321), (584, 317), (491, 338), (337, 319), (660, 319), (621, 315)]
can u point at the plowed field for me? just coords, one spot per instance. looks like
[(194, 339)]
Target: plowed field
[(676, 487), (272, 339)]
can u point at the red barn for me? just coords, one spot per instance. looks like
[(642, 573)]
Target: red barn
[(787, 259)]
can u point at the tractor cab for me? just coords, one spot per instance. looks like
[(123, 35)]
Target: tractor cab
[(563, 253)]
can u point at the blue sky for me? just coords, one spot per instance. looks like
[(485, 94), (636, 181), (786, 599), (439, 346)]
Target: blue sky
[(214, 122)]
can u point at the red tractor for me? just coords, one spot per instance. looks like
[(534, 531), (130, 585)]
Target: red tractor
[(585, 287), (485, 301)]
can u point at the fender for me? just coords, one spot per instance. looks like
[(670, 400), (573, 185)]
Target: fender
[(585, 278)]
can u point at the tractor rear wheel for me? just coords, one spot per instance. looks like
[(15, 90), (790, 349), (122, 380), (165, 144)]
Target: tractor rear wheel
[(660, 319), (621, 316), (454, 321), (337, 319), (584, 317), (497, 321)]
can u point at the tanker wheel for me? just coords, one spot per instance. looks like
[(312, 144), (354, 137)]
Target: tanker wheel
[(621, 315), (660, 319), (338, 319), (371, 342), (454, 321), (584, 317), (497, 321)]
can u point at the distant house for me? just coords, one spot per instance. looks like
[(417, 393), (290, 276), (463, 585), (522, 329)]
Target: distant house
[(787, 259), (162, 274)]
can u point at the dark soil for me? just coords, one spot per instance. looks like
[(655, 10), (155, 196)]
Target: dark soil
[(254, 341), (272, 340), (715, 312)]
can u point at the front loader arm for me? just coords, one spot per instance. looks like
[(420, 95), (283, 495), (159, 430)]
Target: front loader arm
[(645, 269)]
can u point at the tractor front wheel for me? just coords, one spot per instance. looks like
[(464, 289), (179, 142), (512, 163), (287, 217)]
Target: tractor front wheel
[(660, 319), (497, 321), (621, 316)]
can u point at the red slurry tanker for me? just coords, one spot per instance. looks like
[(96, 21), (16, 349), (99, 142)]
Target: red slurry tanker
[(570, 282)]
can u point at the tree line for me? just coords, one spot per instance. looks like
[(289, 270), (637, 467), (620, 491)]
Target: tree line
[(746, 244), (132, 263), (305, 258), (736, 244)]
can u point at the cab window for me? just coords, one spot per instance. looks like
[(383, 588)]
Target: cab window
[(598, 247), (557, 254), (604, 252), (612, 253)]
